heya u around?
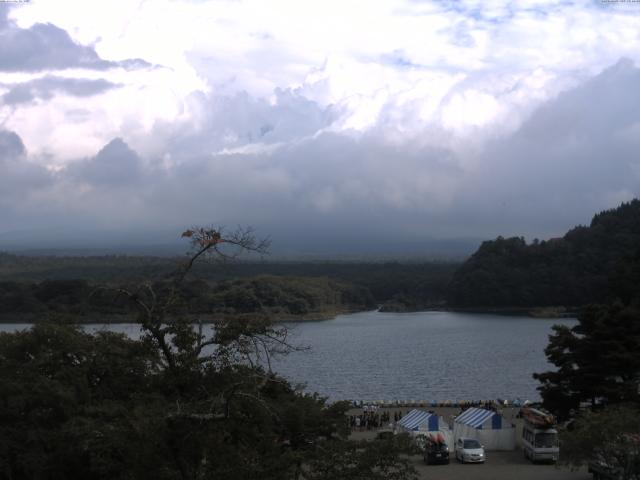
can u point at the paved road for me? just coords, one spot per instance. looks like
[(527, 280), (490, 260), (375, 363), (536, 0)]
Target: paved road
[(499, 466)]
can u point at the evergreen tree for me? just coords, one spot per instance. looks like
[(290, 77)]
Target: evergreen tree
[(597, 360)]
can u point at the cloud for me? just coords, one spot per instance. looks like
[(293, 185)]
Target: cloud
[(44, 46), (571, 157), (21, 179), (115, 164), (410, 119), (4, 15), (223, 124), (11, 145), (45, 88), (405, 69), (574, 155)]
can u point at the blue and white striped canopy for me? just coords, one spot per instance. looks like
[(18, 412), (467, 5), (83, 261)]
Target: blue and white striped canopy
[(415, 418), (474, 417)]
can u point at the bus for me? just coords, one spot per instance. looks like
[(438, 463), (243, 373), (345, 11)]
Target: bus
[(539, 437)]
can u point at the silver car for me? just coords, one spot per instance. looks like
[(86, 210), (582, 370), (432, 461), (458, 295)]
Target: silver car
[(469, 450)]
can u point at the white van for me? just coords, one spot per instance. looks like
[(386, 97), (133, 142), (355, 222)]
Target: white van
[(540, 444)]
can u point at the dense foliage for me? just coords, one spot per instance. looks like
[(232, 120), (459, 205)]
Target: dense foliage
[(608, 439), (73, 404), (575, 270), (281, 297), (278, 297), (411, 285), (103, 406), (597, 360)]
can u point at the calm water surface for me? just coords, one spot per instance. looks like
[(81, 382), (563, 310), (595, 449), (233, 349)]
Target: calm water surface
[(421, 356)]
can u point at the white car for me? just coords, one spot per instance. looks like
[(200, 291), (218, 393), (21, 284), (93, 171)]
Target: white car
[(469, 450)]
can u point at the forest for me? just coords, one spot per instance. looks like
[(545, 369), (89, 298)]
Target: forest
[(590, 264), (281, 298), (33, 286)]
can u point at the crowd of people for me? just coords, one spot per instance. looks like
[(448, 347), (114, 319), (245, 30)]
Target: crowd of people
[(489, 404), (371, 419)]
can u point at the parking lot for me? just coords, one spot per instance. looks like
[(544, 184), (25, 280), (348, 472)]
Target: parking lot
[(499, 465)]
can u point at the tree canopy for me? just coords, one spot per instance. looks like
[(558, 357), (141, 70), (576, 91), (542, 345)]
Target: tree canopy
[(597, 360), (580, 268), (609, 438)]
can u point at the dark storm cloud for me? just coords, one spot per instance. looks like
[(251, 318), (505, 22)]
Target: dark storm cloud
[(45, 88), (44, 46), (19, 177), (38, 207), (115, 165), (11, 145), (330, 192), (575, 155)]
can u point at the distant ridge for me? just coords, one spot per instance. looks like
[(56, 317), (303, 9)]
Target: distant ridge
[(289, 246)]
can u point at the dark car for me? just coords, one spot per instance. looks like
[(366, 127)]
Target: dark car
[(436, 452)]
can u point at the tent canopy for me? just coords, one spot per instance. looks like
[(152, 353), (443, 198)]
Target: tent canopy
[(476, 418), (418, 422), (416, 419), (487, 427)]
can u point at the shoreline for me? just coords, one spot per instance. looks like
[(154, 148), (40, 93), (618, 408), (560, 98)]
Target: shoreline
[(320, 316), (529, 312), (127, 318)]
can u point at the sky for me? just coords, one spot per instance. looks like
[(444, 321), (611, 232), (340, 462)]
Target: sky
[(330, 126)]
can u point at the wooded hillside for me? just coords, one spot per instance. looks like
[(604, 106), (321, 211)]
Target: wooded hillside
[(588, 265)]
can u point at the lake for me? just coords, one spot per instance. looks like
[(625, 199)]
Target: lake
[(412, 356), (422, 356)]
